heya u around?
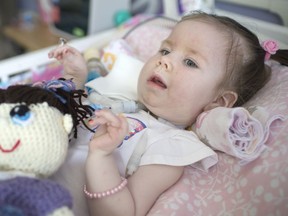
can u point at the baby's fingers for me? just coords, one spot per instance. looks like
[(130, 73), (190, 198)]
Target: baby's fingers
[(110, 133), (61, 51), (107, 117), (124, 128)]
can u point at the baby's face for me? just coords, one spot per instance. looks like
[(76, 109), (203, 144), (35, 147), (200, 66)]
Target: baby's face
[(184, 77)]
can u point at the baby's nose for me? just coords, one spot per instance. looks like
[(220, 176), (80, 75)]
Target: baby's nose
[(165, 64)]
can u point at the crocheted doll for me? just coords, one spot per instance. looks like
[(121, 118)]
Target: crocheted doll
[(35, 122)]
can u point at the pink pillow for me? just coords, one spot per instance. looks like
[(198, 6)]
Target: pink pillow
[(259, 188)]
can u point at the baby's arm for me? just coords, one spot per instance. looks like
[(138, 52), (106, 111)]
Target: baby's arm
[(149, 182), (73, 62), (144, 186)]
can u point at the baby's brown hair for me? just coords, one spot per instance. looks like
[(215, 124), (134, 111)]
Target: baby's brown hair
[(245, 65)]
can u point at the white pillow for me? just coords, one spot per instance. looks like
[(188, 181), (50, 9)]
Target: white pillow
[(121, 82)]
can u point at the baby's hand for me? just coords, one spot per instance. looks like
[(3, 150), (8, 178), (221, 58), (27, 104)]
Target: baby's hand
[(110, 133), (73, 62)]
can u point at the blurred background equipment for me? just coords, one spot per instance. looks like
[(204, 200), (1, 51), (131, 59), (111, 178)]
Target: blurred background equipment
[(85, 17), (29, 25)]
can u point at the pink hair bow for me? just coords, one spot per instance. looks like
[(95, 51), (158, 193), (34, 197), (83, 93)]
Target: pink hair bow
[(271, 47)]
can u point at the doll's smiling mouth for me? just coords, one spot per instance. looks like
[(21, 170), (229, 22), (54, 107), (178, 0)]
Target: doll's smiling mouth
[(12, 149), (157, 81)]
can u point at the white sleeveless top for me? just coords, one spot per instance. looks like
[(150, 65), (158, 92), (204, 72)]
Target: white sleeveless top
[(159, 142)]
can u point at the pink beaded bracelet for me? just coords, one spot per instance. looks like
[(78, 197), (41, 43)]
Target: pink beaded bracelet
[(108, 192)]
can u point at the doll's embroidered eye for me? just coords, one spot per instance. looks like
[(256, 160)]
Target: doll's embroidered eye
[(21, 115)]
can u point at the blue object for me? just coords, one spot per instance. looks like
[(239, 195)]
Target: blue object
[(92, 75), (121, 17)]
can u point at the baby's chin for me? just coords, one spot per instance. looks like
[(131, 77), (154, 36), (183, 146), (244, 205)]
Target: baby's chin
[(153, 110), (160, 112), (172, 118)]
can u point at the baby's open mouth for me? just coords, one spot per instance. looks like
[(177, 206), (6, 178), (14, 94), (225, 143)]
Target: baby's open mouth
[(158, 81)]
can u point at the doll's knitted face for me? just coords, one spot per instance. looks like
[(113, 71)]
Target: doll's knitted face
[(33, 139)]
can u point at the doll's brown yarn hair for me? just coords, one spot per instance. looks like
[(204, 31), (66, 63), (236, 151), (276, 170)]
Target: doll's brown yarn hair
[(33, 94)]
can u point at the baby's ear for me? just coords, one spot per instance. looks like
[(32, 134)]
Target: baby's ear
[(226, 99), (67, 123)]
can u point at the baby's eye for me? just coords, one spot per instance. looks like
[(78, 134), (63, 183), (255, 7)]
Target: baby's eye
[(164, 52), (190, 63), (21, 115)]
